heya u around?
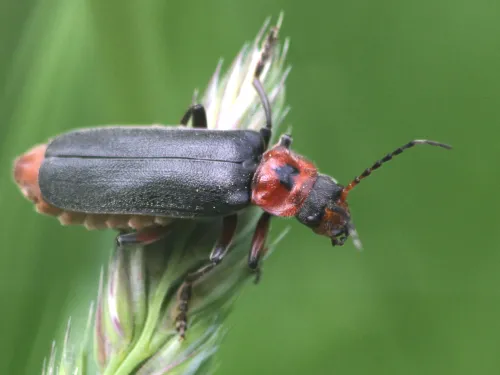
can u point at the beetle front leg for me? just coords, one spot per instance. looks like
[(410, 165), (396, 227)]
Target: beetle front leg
[(199, 116), (258, 248)]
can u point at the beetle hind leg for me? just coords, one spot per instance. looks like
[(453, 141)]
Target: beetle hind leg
[(229, 224), (184, 297), (197, 111), (143, 237)]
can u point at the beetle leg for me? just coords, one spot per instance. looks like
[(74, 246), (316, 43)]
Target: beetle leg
[(184, 296), (228, 230), (144, 236), (220, 250), (265, 55), (258, 241), (285, 141), (199, 116)]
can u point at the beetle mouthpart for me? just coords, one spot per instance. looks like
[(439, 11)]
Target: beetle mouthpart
[(338, 241), (350, 230), (344, 235)]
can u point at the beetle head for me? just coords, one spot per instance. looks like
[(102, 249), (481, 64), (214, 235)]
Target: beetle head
[(336, 223), (326, 213)]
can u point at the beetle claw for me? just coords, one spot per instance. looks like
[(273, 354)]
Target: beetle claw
[(258, 275)]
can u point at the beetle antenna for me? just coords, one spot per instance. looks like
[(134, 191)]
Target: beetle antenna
[(267, 49), (265, 55), (265, 104), (385, 159)]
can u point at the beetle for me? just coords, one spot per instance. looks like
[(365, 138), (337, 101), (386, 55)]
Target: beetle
[(139, 178)]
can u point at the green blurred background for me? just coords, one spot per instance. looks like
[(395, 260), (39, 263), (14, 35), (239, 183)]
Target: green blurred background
[(423, 298)]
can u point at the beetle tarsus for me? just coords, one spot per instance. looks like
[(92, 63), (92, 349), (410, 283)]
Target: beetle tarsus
[(258, 275), (197, 111), (184, 297)]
